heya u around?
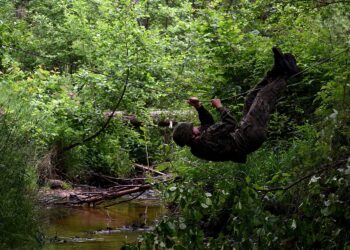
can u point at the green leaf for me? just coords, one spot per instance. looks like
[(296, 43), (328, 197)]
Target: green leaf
[(294, 225), (208, 202), (163, 166), (204, 205)]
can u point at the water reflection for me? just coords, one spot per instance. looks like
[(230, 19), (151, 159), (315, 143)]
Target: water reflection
[(75, 224)]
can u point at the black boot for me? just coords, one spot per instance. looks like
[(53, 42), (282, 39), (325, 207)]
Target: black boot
[(285, 64), (293, 67)]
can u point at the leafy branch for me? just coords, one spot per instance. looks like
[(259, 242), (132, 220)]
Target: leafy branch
[(105, 125), (323, 168)]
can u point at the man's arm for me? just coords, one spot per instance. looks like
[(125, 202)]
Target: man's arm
[(204, 115), (226, 116)]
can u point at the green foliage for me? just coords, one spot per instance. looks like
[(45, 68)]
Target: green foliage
[(18, 222), (65, 65), (223, 205)]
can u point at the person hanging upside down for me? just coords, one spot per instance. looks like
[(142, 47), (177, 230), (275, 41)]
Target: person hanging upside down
[(228, 140)]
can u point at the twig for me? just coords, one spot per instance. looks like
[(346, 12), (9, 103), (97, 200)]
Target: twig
[(126, 179), (132, 198), (124, 186), (149, 169)]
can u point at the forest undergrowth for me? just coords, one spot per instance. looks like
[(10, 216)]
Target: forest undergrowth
[(65, 65)]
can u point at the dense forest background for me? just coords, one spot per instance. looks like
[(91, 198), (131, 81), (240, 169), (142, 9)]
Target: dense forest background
[(65, 63)]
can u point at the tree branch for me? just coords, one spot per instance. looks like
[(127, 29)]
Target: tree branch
[(323, 168), (102, 129), (327, 3), (99, 196), (145, 168), (132, 198)]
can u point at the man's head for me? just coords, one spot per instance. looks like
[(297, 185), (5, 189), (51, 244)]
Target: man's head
[(183, 133)]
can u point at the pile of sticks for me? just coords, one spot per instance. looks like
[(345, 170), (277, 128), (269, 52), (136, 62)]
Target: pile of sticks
[(92, 196)]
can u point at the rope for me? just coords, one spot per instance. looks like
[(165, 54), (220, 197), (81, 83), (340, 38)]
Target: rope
[(295, 75)]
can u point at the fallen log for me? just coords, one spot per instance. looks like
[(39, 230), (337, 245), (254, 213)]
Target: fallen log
[(93, 198), (161, 118), (119, 179)]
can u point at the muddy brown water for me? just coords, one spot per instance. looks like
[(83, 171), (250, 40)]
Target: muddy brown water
[(73, 227)]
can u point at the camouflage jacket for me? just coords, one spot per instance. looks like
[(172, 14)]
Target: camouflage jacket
[(216, 141)]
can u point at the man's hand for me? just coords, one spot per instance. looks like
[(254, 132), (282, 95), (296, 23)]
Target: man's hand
[(216, 103), (193, 101)]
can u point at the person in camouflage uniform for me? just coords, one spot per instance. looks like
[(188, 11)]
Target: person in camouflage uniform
[(227, 140)]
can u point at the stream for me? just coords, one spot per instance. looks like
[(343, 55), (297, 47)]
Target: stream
[(90, 228)]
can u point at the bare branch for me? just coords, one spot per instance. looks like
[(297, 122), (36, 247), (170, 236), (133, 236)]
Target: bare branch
[(96, 197), (149, 169), (132, 198)]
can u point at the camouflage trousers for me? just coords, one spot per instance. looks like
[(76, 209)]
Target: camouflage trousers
[(259, 103)]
